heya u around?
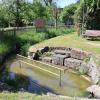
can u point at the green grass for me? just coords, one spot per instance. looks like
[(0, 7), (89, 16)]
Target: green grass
[(30, 37), (3, 47), (73, 41), (29, 96), (19, 96), (6, 44), (70, 40)]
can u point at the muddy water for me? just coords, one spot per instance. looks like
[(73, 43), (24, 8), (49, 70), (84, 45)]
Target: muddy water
[(72, 84)]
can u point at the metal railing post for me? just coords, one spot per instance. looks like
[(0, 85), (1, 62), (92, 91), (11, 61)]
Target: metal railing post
[(60, 79)]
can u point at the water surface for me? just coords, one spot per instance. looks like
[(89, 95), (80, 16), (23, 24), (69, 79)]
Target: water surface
[(72, 84)]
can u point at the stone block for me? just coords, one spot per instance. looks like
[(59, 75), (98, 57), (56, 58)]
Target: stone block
[(60, 48), (72, 63), (79, 54), (47, 59), (62, 52), (55, 59), (58, 59)]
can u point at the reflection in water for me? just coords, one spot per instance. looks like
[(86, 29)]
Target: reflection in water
[(42, 82)]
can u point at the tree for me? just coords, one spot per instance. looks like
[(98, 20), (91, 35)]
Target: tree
[(68, 13), (6, 18), (88, 13), (48, 2), (14, 10), (20, 12)]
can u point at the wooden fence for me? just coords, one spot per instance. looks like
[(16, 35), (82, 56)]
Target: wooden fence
[(18, 30), (13, 31)]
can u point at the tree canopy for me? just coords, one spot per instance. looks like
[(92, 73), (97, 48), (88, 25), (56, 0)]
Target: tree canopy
[(21, 12), (68, 13), (88, 13)]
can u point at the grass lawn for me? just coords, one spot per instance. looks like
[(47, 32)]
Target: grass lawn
[(19, 96), (29, 96), (72, 40)]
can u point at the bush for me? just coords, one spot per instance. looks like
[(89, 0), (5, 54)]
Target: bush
[(39, 37), (31, 37), (24, 49)]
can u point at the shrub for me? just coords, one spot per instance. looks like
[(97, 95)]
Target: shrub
[(24, 49), (39, 37), (31, 37)]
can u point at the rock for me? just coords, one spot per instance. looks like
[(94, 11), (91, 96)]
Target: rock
[(58, 59), (72, 63), (60, 48), (79, 54), (44, 49), (93, 71), (47, 59), (62, 52), (95, 90), (41, 50), (61, 59), (83, 69), (31, 55), (22, 90), (55, 60)]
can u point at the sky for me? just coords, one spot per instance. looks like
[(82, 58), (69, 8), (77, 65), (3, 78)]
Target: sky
[(63, 3)]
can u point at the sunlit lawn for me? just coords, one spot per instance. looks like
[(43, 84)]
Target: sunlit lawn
[(71, 40), (19, 96)]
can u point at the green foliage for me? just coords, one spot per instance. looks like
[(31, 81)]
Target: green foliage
[(60, 31), (68, 13), (87, 59), (88, 13), (6, 44), (82, 71), (29, 38), (15, 83), (39, 10), (3, 47), (24, 49), (10, 15)]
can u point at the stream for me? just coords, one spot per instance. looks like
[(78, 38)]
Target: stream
[(72, 84)]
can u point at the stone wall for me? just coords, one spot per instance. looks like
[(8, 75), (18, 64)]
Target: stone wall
[(73, 58)]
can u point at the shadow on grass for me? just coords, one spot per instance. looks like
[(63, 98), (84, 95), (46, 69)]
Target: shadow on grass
[(94, 39)]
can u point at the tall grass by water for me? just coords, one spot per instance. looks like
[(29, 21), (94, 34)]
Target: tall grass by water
[(30, 37)]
